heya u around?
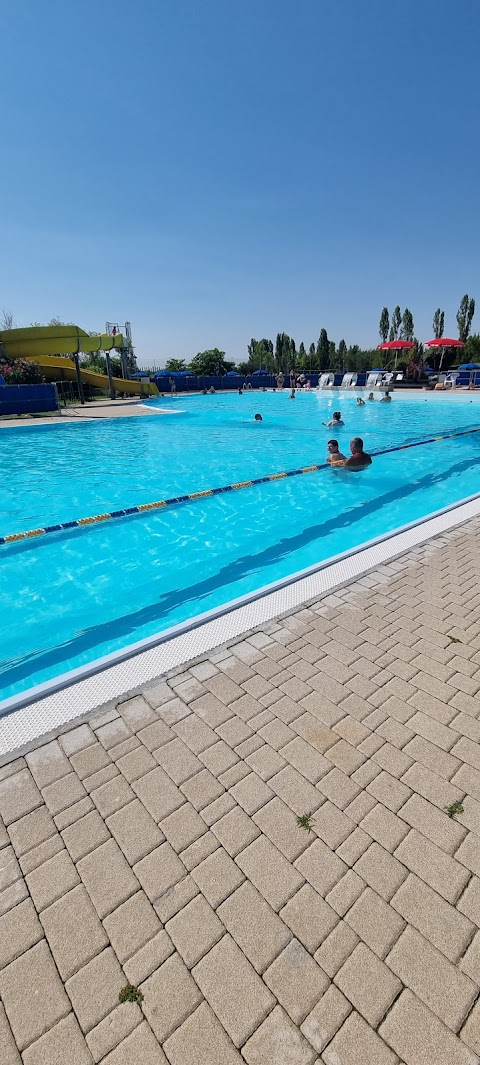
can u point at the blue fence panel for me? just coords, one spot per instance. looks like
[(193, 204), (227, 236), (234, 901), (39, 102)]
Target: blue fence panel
[(28, 399)]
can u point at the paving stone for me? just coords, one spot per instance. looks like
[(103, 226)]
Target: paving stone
[(47, 763), (154, 735), (178, 760), (170, 996), (218, 808), (73, 813), (470, 963), (233, 775), (278, 1042), (279, 823), (309, 762), (113, 733), (468, 779), (368, 984), (107, 877), (103, 776), (31, 830), (174, 898), (331, 825), (326, 1018), (296, 792), (360, 807), (31, 1011), (357, 1044), (470, 1033), (422, 968), (442, 830), (354, 846), (19, 795), (217, 877), (211, 710), (136, 763), (113, 1030), (269, 871), (252, 923), (233, 989), (131, 925), (469, 903), (431, 864), (8, 1052), (201, 1040), (158, 793), (385, 827), (157, 694), (63, 793), (137, 713), (94, 989), (321, 867), (140, 1046), (73, 931), (90, 760), (52, 880), (38, 855), (251, 793), (76, 739), (86, 834), (235, 831), (20, 929), (195, 930), (64, 1042), (375, 922), (389, 791), (12, 895), (339, 788), (276, 733), (135, 831), (381, 871), (199, 850), (296, 981), (234, 732), (173, 711), (468, 853), (183, 827), (159, 871), (202, 790), (345, 893), (419, 1037), (149, 958)]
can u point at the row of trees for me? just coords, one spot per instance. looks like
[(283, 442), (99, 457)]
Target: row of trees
[(400, 326)]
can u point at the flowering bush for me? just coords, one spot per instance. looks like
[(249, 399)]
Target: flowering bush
[(20, 372)]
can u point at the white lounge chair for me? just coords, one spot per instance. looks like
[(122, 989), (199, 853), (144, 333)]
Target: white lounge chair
[(326, 380), (374, 380), (451, 380), (387, 377), (349, 380)]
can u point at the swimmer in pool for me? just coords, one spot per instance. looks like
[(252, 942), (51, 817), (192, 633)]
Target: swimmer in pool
[(335, 457), (258, 418), (360, 402), (386, 398), (371, 397), (358, 458), (335, 421)]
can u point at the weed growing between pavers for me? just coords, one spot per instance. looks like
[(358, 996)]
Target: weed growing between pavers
[(454, 809), (305, 821), (453, 639), (129, 993)]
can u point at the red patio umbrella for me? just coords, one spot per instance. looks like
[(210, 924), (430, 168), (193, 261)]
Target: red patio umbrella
[(396, 346), (444, 342)]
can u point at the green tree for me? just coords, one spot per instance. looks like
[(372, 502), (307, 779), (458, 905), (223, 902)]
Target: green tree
[(323, 351), (342, 354), (383, 325), (301, 350), (465, 314), (391, 335), (438, 323), (175, 365), (472, 348), (407, 329), (311, 350), (396, 323), (210, 362)]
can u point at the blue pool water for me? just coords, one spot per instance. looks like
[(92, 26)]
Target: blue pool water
[(70, 598)]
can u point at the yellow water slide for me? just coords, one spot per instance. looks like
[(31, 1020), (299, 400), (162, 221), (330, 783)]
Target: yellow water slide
[(46, 345)]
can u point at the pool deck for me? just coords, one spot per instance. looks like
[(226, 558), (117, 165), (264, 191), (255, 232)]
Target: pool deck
[(156, 844)]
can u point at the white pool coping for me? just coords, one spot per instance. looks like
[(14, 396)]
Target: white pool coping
[(48, 708)]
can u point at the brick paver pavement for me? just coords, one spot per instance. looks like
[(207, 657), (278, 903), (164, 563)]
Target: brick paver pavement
[(157, 844)]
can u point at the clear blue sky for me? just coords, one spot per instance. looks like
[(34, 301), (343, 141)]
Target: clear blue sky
[(214, 170)]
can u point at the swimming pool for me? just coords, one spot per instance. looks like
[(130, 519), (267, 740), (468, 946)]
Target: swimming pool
[(72, 597)]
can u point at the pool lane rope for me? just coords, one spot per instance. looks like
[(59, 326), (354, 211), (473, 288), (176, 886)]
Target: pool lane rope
[(160, 504)]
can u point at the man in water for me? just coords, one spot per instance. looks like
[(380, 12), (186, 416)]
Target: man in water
[(358, 458), (258, 418), (335, 421), (360, 402), (371, 397), (386, 398), (335, 456)]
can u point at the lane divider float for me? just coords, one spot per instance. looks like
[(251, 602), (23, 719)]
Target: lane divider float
[(177, 500)]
